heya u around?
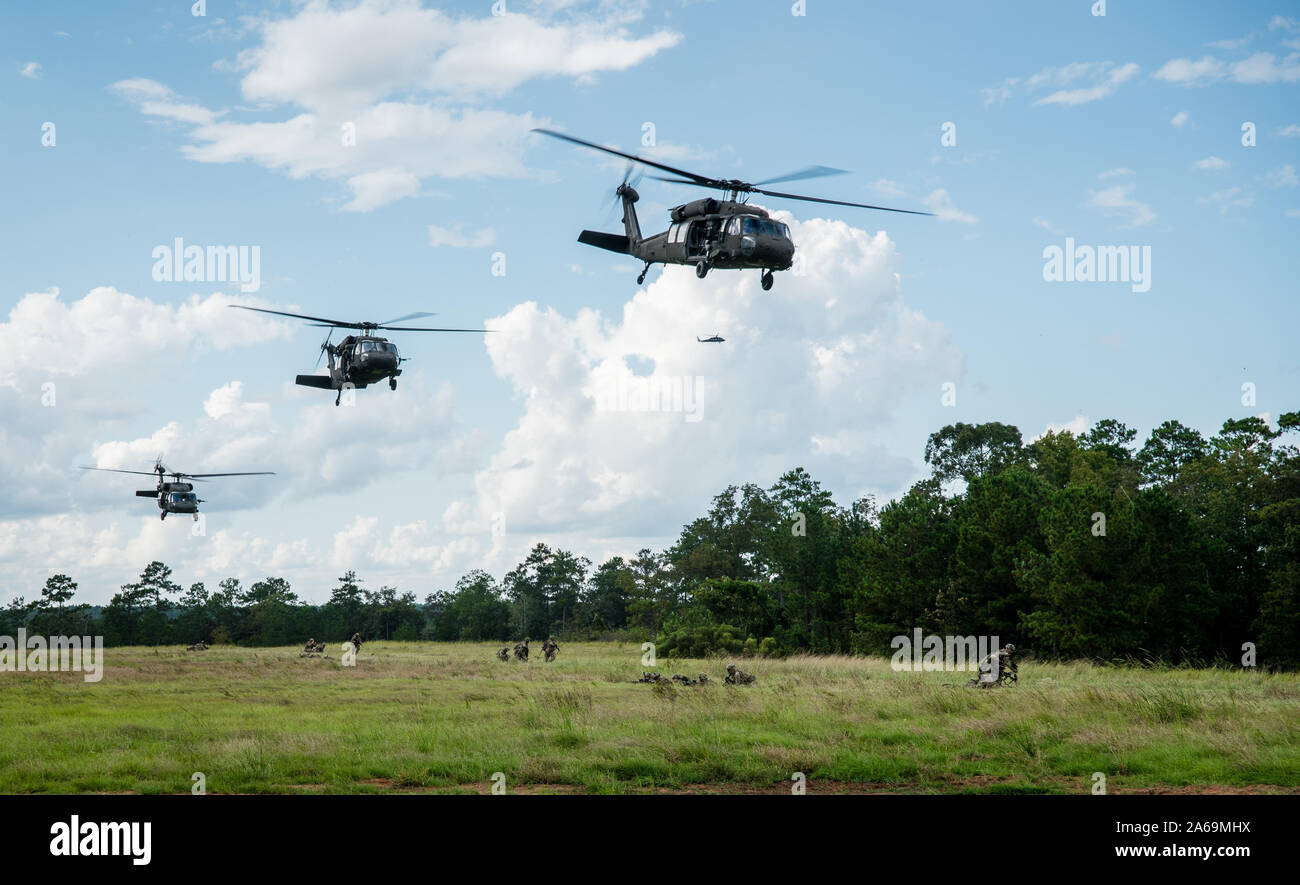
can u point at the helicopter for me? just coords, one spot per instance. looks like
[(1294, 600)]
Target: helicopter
[(708, 233), (363, 359), (716, 339), (176, 496)]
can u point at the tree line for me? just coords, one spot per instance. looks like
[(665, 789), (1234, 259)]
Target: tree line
[(1183, 549)]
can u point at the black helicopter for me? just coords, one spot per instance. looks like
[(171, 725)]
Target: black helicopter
[(363, 359), (176, 496), (716, 339), (709, 233)]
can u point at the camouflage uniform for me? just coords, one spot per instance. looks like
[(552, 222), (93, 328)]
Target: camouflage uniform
[(736, 676), (521, 650), (356, 642), (651, 677), (504, 654), (549, 648), (997, 668)]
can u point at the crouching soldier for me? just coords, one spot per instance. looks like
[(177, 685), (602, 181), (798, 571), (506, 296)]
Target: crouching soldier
[(736, 676), (997, 668), (521, 650), (549, 648), (504, 654)]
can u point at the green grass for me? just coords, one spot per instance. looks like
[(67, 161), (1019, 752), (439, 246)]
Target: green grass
[(444, 717)]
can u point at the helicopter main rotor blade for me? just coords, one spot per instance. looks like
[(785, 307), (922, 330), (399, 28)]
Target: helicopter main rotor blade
[(837, 202), (409, 316), (673, 180), (153, 473), (810, 172), (695, 179), (302, 316), (421, 329), (206, 475)]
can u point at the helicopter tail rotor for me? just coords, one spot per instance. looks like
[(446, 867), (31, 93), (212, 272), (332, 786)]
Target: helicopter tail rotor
[(324, 347)]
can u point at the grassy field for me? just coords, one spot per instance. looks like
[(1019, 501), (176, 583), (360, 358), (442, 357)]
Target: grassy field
[(444, 717)]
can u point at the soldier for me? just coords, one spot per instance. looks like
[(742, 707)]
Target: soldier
[(356, 642), (521, 650), (997, 668), (310, 647), (504, 654), (736, 676), (549, 648)]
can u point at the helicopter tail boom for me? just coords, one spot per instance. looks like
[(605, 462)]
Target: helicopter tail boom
[(611, 242)]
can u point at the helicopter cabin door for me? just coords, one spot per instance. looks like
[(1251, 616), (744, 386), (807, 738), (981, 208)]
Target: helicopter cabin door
[(701, 233)]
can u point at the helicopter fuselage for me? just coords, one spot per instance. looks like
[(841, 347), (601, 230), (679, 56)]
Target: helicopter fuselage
[(358, 361), (707, 233)]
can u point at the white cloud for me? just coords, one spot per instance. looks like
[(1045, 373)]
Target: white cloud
[(1291, 131), (1073, 84), (940, 203), (31, 70), (888, 188), (1077, 425), (1106, 80), (1119, 201), (458, 238), (1282, 176), (1211, 163), (386, 93), (1259, 68), (1115, 173), (1233, 197), (1048, 226), (820, 364), (1180, 119), (1186, 72)]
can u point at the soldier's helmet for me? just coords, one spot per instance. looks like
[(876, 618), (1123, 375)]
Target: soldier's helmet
[(731, 668), (1009, 648)]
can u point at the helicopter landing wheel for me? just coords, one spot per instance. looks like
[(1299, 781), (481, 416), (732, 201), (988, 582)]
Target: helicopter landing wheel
[(766, 280), (640, 278), (702, 269), (392, 383), (162, 515)]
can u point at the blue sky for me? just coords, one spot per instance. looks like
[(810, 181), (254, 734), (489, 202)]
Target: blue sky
[(1117, 130)]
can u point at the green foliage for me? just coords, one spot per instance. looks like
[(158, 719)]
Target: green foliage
[(1200, 555)]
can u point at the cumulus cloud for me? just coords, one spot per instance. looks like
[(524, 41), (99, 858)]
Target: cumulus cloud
[(626, 418), (1180, 119), (31, 70), (1211, 163), (383, 94)]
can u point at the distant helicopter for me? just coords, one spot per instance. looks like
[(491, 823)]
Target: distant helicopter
[(176, 496), (363, 359), (716, 339), (709, 233)]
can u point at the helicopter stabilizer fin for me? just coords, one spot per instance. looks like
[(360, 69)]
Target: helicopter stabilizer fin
[(324, 382), (611, 242)]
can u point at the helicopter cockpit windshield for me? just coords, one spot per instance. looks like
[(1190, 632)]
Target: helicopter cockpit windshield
[(182, 497), (763, 226)]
